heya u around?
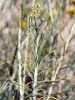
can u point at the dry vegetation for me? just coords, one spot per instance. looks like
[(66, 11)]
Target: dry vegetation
[(37, 50)]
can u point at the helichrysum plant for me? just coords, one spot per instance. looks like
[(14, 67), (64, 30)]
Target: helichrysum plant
[(42, 64)]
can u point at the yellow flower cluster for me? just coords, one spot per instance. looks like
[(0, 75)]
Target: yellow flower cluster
[(70, 10), (24, 24), (36, 10), (24, 19)]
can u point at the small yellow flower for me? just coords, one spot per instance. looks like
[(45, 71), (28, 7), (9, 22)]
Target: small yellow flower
[(32, 10), (38, 5), (23, 24), (39, 11), (70, 10)]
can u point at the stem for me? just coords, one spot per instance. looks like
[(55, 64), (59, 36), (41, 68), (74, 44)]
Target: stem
[(36, 68), (19, 57), (36, 71), (50, 10), (26, 58), (19, 64), (33, 3)]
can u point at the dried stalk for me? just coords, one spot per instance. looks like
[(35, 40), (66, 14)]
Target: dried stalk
[(33, 3), (26, 54), (19, 58), (36, 67), (19, 64), (50, 10), (56, 72)]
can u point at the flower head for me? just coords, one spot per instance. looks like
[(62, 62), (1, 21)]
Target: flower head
[(70, 10), (36, 10), (37, 5), (23, 24)]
